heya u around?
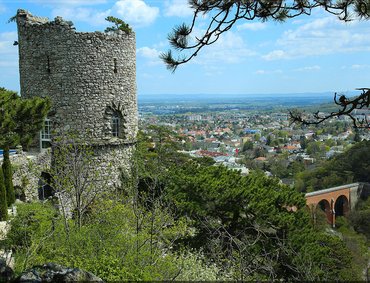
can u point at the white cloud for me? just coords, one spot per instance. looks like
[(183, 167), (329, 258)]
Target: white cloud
[(359, 66), (87, 15), (267, 72), (150, 54), (177, 8), (8, 52), (70, 2), (308, 68), (275, 55), (8, 36), (252, 26), (230, 48), (321, 37), (136, 12), (2, 8)]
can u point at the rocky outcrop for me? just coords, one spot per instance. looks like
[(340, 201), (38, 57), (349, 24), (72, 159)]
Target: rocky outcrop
[(52, 272)]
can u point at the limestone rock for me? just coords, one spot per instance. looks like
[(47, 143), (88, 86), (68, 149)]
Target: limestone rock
[(52, 272)]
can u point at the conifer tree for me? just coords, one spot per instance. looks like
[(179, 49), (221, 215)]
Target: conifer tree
[(8, 178), (3, 203), (20, 120)]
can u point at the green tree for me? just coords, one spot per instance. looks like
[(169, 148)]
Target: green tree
[(351, 166), (3, 202), (8, 178), (20, 120), (360, 218), (118, 25), (251, 225)]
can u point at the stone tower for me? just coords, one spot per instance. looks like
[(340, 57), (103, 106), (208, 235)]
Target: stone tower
[(90, 78)]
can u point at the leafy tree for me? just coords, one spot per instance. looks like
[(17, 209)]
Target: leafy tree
[(223, 15), (3, 202), (20, 120), (118, 25)]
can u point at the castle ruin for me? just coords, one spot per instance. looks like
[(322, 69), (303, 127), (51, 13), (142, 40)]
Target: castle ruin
[(90, 78)]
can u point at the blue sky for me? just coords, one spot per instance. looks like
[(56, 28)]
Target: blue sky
[(314, 53)]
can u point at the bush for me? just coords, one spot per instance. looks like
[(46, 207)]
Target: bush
[(114, 243), (195, 267)]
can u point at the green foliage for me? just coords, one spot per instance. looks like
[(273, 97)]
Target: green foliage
[(360, 218), (30, 231), (196, 267), (3, 203), (249, 223), (252, 226), (118, 25), (248, 145), (357, 243), (351, 166), (108, 244), (8, 178), (322, 256), (226, 226), (20, 119)]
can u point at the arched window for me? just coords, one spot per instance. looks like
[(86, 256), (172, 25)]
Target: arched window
[(114, 125), (116, 121)]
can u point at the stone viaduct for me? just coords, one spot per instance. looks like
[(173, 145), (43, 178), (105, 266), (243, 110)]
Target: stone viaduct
[(337, 201)]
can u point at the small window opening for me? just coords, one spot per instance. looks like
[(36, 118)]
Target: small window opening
[(115, 65), (45, 135), (115, 124)]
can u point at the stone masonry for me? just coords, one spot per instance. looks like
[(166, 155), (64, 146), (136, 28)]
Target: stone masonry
[(90, 78)]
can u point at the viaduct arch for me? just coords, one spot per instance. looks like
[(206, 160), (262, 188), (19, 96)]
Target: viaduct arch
[(337, 201)]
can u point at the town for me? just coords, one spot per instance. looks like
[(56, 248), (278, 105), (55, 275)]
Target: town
[(247, 138)]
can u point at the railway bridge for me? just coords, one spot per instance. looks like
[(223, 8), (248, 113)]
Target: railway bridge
[(337, 201)]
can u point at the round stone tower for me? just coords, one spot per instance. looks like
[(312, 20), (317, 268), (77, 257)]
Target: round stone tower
[(90, 78)]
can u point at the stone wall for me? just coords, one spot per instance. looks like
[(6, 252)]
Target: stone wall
[(27, 172), (89, 76)]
